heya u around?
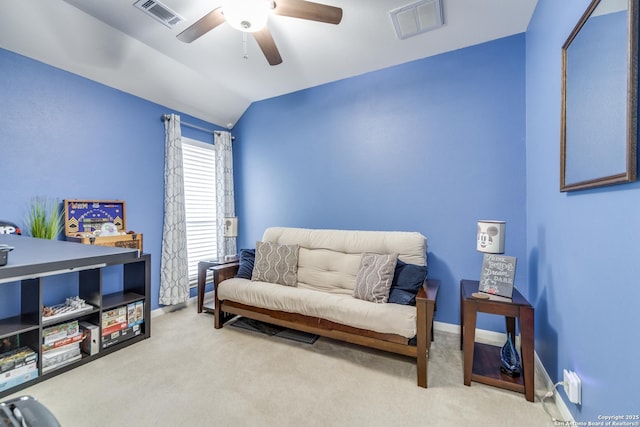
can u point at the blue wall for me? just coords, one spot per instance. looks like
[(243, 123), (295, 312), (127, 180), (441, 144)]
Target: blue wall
[(65, 137), (582, 249), (429, 146)]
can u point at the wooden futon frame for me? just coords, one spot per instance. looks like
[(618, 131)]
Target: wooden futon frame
[(425, 305)]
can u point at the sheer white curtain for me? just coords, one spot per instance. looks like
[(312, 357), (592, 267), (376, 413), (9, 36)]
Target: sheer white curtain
[(225, 206), (174, 273)]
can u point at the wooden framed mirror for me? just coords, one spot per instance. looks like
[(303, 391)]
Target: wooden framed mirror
[(598, 139)]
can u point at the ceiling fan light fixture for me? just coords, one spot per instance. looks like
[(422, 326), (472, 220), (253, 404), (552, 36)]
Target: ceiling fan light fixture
[(247, 15)]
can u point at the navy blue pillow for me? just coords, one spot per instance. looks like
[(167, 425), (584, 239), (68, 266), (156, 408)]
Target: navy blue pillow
[(407, 280), (247, 258)]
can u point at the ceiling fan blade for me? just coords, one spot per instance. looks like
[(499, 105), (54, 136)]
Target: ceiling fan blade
[(268, 46), (202, 26), (308, 10)]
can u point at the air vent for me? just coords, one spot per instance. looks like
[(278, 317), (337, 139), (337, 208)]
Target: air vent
[(417, 18), (159, 12)]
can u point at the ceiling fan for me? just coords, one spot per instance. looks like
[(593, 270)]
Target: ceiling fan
[(250, 16)]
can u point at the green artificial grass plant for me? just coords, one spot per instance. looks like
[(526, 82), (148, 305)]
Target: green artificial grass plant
[(44, 219)]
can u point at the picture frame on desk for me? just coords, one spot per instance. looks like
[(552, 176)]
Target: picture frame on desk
[(497, 275)]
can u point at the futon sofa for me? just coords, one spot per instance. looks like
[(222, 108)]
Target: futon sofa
[(364, 287)]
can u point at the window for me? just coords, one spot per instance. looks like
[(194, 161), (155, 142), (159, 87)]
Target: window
[(199, 163)]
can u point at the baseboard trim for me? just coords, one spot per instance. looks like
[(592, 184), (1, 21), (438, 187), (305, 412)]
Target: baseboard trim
[(482, 335), (497, 338), (160, 311), (565, 414)]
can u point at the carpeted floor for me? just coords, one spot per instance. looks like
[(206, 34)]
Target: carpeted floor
[(189, 374)]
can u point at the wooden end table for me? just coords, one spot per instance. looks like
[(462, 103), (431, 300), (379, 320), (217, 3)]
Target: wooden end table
[(203, 268), (482, 361)]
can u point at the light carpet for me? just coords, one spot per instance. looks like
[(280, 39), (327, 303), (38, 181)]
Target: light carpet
[(190, 374)]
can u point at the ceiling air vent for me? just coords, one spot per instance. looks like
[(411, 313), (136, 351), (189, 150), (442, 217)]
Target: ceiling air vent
[(159, 12), (417, 18)]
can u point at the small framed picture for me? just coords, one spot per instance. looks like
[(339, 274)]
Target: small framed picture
[(497, 275), (231, 226)]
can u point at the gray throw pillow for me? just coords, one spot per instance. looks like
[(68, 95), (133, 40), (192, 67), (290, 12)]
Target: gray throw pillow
[(374, 277), (276, 264)]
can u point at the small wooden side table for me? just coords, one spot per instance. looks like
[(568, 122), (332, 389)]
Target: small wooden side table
[(203, 268), (482, 361)]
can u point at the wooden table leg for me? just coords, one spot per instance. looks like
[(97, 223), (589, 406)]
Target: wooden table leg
[(203, 267), (511, 328), (526, 332), (469, 332), (423, 343), (461, 319)]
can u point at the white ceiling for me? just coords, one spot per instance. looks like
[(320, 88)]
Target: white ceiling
[(112, 42)]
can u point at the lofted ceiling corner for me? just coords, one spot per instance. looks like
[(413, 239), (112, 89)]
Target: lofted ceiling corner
[(115, 43)]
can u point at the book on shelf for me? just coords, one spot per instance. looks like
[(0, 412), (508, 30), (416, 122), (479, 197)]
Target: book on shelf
[(90, 338), (18, 376), (114, 328), (59, 332), (60, 356), (122, 318), (120, 336), (18, 371), (131, 313), (114, 320), (17, 358), (135, 313), (18, 366), (60, 364), (63, 341)]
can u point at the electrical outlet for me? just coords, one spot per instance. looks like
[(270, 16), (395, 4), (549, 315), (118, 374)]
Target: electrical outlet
[(572, 386)]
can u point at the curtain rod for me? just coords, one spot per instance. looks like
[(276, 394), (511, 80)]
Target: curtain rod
[(165, 117)]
